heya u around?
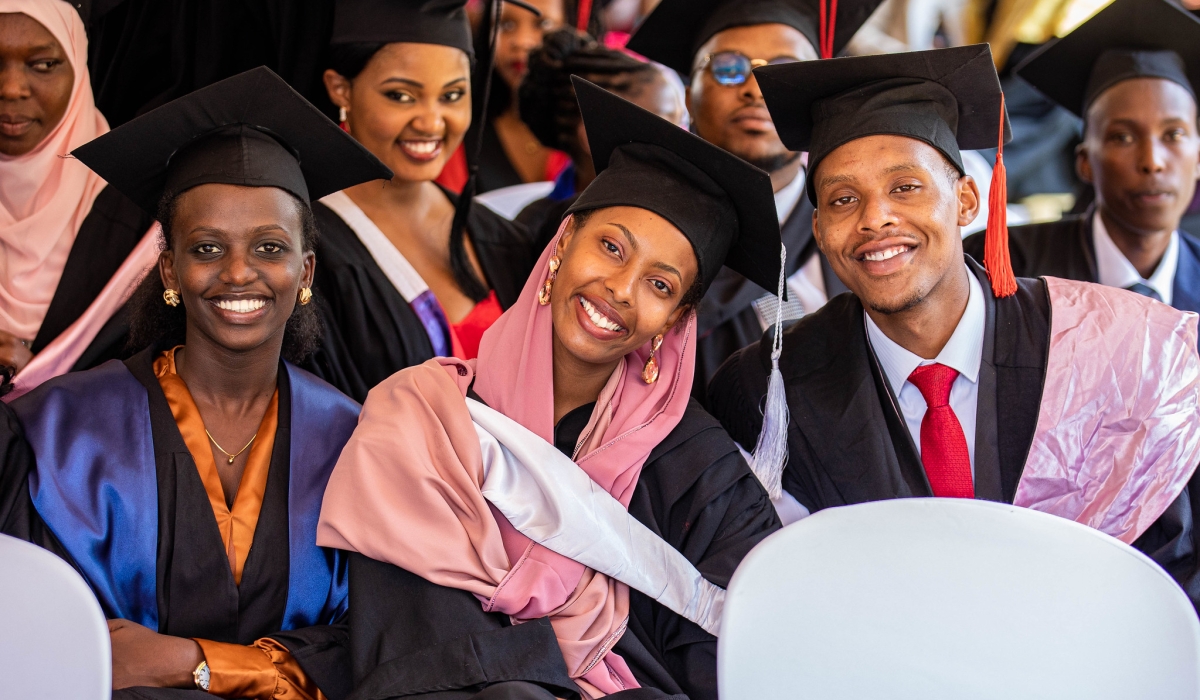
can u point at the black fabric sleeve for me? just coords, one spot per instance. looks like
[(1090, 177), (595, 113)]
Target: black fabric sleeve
[(323, 652), (698, 494), (1172, 541), (410, 637)]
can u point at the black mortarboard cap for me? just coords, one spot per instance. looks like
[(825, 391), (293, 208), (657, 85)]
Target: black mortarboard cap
[(676, 29), (391, 21), (948, 98), (1127, 39), (722, 204), (251, 129)]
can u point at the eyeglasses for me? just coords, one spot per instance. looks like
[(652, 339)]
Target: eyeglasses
[(734, 67)]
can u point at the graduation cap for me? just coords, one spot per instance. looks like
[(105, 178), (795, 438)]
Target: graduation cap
[(676, 29), (947, 98), (722, 204), (441, 22), (251, 130), (1127, 39)]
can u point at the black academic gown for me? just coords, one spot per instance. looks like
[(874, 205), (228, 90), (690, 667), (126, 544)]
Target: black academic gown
[(412, 637), (727, 321), (196, 594), (371, 332), (1065, 249), (543, 218), (105, 239), (848, 442)]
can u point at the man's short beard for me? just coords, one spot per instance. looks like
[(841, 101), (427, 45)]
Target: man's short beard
[(774, 163), (899, 307)]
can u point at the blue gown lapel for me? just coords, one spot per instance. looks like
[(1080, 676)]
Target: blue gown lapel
[(96, 485), (1186, 289), (322, 420)]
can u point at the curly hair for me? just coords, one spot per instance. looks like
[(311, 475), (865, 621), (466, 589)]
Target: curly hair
[(547, 99), (154, 323)]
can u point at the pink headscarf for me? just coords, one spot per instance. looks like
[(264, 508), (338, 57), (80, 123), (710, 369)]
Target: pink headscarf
[(45, 197), (406, 489)]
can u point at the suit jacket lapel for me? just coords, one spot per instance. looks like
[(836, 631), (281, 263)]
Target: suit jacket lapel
[(987, 456), (1185, 293)]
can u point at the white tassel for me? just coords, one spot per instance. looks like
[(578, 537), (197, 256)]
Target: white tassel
[(771, 451)]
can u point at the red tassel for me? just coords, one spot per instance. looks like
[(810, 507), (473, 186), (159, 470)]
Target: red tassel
[(995, 250), (585, 15), (828, 20)]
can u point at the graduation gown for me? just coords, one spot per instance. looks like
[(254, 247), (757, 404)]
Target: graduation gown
[(848, 442), (96, 470), (105, 239), (1065, 248), (727, 320), (371, 332), (412, 637)]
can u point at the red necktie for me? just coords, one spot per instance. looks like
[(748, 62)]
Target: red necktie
[(943, 446)]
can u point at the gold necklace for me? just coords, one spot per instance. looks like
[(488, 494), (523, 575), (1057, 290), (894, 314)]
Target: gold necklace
[(222, 449)]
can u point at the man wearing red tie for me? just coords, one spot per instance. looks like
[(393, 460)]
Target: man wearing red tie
[(941, 377)]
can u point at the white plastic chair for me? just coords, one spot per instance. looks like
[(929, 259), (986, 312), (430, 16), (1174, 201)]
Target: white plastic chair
[(54, 642), (947, 598)]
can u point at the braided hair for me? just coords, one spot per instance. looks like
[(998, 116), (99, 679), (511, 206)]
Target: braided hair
[(547, 99)]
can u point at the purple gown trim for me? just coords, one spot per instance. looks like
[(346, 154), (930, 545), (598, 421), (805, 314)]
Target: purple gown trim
[(1118, 432), (96, 487), (427, 308)]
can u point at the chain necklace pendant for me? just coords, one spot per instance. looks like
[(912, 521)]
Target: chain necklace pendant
[(226, 452)]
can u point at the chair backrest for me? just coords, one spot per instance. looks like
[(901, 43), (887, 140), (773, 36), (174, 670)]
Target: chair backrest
[(947, 598), (54, 641)]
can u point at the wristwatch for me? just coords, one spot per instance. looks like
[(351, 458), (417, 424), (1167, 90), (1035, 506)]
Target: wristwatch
[(200, 676)]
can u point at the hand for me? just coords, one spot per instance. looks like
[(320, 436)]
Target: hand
[(143, 657), (13, 351)]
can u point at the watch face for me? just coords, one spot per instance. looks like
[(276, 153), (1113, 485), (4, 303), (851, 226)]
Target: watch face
[(201, 675)]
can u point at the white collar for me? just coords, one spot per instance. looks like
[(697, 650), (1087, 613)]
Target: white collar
[(787, 198), (963, 352), (1113, 269)]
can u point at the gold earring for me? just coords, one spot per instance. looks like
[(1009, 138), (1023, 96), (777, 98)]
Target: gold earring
[(544, 292), (171, 297), (305, 296), (343, 114), (650, 371)]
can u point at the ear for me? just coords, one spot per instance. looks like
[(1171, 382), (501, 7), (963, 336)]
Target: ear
[(969, 201), (1083, 163), (816, 229), (166, 270), (310, 269), (338, 87)]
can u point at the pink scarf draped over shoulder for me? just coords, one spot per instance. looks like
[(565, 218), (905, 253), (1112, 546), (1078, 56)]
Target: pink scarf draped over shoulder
[(407, 488)]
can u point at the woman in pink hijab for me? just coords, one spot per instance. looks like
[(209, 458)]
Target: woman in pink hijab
[(63, 233), (557, 517)]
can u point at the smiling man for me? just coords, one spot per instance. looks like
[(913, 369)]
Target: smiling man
[(1132, 73), (715, 44), (936, 377)]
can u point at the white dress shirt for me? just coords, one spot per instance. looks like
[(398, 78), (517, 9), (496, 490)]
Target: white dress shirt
[(1113, 269), (806, 285), (963, 352)]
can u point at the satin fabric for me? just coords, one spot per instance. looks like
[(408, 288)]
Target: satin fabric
[(236, 524), (1118, 434), (96, 488), (44, 195)]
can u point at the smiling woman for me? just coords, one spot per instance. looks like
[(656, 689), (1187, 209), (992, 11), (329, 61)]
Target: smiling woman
[(207, 425), (396, 285), (585, 384)]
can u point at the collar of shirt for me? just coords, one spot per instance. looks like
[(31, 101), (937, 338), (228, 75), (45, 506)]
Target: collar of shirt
[(963, 352), (787, 198), (1113, 269)]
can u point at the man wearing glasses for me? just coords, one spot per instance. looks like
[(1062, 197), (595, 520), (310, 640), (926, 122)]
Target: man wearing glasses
[(715, 45)]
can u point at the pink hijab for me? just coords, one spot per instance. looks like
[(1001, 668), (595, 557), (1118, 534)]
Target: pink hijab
[(406, 489), (44, 197)]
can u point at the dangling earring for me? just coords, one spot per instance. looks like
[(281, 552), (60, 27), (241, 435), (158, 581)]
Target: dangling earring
[(650, 371), (544, 293), (305, 295), (343, 115), (171, 297)]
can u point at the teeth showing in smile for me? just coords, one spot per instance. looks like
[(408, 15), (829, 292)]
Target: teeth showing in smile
[(241, 306), (598, 318), (421, 148), (888, 254)]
